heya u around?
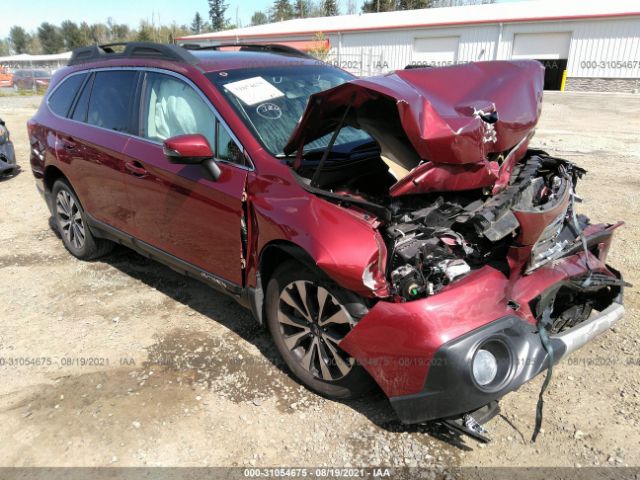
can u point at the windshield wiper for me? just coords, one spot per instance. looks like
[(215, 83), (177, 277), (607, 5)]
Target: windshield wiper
[(325, 155)]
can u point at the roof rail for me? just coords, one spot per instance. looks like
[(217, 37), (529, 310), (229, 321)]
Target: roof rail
[(96, 53), (252, 47)]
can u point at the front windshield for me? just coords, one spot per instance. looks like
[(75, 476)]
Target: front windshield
[(271, 100)]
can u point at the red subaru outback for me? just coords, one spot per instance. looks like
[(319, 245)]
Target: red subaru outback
[(395, 229)]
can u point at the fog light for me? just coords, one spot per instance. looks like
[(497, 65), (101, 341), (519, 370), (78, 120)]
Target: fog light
[(485, 367)]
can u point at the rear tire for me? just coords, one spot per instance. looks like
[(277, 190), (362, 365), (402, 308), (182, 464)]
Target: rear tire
[(70, 221), (307, 318)]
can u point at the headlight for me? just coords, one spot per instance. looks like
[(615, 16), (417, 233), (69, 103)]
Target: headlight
[(485, 367), (4, 135)]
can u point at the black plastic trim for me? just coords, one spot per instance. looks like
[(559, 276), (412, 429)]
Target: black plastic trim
[(97, 53), (103, 230)]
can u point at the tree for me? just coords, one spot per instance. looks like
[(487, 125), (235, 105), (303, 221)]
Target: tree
[(414, 4), (217, 8), (351, 7), (120, 32), (85, 31), (372, 6), (330, 8), (50, 38), (196, 25), (5, 47), (301, 8), (145, 32), (259, 18), (280, 11), (19, 39), (71, 35), (99, 33)]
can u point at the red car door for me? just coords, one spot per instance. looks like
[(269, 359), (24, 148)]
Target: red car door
[(102, 124), (178, 208)]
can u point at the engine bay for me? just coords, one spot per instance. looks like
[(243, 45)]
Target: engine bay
[(436, 238)]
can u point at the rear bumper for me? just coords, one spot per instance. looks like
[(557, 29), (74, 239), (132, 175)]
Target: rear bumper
[(450, 389)]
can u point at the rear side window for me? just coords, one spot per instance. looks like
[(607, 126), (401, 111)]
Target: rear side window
[(112, 100), (80, 110), (62, 98)]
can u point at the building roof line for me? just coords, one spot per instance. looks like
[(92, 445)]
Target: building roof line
[(311, 25)]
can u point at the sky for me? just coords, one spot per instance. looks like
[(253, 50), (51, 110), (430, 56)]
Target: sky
[(21, 12)]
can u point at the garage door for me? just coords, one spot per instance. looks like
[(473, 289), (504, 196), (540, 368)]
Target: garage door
[(435, 51), (542, 46), (550, 49)]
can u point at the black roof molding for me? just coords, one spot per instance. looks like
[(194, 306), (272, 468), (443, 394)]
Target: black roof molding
[(97, 53), (252, 47)]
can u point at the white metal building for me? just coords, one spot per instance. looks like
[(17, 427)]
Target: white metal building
[(585, 44)]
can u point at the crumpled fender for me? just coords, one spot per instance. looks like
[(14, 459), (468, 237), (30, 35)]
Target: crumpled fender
[(341, 242)]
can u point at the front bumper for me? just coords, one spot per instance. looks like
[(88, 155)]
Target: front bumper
[(450, 389), (420, 352)]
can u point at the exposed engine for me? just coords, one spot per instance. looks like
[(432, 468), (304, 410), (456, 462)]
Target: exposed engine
[(457, 232), (435, 239)]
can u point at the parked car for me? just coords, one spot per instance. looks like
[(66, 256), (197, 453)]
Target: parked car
[(7, 152), (394, 229), (31, 80), (6, 78)]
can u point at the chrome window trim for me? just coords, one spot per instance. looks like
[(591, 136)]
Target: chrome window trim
[(216, 114)]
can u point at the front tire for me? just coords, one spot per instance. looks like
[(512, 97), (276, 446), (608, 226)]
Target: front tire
[(70, 221), (308, 319)]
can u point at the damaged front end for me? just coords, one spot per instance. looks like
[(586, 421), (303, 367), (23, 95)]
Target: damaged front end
[(449, 174), (480, 242)]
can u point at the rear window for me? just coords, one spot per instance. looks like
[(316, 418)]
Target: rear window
[(62, 98), (112, 100)]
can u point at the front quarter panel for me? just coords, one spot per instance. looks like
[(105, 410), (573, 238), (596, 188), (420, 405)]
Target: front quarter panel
[(340, 241)]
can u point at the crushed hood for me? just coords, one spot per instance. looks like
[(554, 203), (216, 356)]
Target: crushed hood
[(445, 116)]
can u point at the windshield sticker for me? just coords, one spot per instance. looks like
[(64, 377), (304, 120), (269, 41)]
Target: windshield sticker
[(270, 111), (253, 90)]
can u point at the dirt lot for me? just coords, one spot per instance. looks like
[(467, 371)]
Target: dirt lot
[(123, 362)]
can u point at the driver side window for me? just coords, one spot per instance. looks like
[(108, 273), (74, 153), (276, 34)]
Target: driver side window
[(171, 107)]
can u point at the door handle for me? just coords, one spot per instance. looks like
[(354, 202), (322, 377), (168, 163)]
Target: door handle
[(136, 168)]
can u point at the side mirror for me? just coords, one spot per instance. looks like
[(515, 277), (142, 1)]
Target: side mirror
[(191, 150)]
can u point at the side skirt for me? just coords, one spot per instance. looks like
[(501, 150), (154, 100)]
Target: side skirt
[(102, 230)]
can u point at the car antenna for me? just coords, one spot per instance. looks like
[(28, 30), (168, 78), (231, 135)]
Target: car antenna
[(325, 155)]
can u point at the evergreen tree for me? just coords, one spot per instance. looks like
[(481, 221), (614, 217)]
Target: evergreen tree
[(19, 39), (217, 8), (330, 8), (50, 38), (302, 9), (71, 35), (259, 18), (196, 25), (281, 10)]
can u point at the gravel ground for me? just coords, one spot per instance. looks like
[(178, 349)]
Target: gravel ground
[(123, 362)]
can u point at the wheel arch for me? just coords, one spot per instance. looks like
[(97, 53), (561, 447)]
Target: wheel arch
[(273, 254), (279, 251), (51, 174)]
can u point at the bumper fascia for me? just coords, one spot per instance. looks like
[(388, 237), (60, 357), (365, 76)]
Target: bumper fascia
[(450, 391)]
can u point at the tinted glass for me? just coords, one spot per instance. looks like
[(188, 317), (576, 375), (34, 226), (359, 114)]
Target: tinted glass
[(62, 98), (171, 107), (227, 149), (112, 100), (80, 110), (272, 118)]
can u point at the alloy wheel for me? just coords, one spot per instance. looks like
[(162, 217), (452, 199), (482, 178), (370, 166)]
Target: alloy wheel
[(312, 324), (70, 219)]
